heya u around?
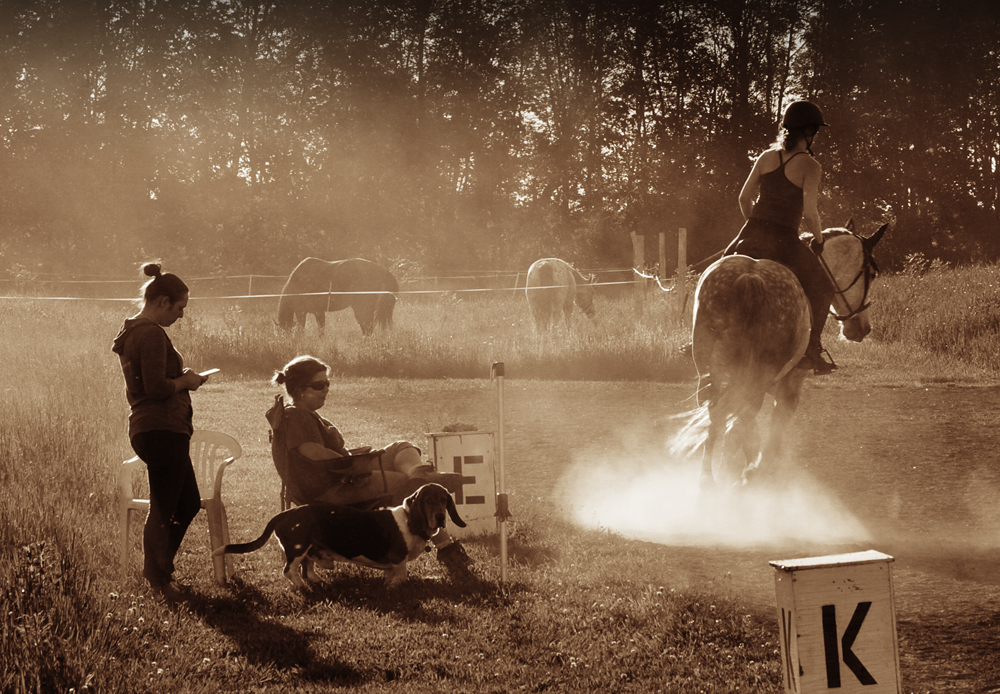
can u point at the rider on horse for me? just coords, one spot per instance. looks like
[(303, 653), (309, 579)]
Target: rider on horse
[(786, 186)]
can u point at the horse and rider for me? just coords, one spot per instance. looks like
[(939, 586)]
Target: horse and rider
[(759, 311)]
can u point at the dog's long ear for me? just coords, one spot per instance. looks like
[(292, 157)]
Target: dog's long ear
[(453, 512), (416, 519)]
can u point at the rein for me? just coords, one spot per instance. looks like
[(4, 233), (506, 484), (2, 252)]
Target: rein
[(868, 271)]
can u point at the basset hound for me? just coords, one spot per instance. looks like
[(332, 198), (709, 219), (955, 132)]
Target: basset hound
[(324, 534)]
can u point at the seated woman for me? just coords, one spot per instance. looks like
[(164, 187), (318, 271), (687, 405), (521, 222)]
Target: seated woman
[(313, 444)]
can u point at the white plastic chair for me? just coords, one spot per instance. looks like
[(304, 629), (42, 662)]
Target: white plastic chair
[(207, 456)]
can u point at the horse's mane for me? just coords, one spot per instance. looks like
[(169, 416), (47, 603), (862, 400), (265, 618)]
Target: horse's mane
[(828, 234), (579, 276)]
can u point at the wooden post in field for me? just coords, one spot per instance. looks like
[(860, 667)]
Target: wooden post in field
[(639, 264), (663, 257), (681, 285)]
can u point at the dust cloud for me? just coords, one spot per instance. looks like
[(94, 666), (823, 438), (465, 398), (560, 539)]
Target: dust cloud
[(653, 495)]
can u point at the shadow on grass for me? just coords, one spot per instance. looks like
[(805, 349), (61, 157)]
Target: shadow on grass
[(242, 616), (417, 600)]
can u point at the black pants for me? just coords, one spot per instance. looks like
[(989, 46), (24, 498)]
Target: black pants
[(174, 499), (766, 240)]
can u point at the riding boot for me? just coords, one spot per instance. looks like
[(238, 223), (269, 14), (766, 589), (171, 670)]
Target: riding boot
[(820, 296), (813, 358)]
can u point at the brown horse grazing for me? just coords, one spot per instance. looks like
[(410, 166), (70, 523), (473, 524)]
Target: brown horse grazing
[(751, 328), (552, 287), (317, 286)]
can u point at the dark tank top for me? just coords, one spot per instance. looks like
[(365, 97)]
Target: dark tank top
[(780, 201)]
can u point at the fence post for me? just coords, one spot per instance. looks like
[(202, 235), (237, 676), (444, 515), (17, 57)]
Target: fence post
[(682, 243), (663, 258), (639, 265)]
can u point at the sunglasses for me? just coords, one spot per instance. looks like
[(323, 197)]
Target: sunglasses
[(318, 385)]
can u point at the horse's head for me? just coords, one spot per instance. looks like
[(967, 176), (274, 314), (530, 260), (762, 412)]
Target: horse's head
[(585, 295), (848, 259)]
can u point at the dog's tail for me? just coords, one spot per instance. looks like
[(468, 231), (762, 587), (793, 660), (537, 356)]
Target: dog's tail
[(256, 544)]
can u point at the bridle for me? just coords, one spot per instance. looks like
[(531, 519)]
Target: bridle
[(868, 272)]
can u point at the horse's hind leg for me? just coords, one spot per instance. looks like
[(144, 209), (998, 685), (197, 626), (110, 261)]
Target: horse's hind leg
[(750, 440), (749, 437), (787, 395)]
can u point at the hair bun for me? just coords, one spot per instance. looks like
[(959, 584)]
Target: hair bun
[(151, 270), (279, 377)]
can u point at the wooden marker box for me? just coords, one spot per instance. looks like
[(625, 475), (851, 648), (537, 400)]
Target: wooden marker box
[(471, 454), (838, 624)]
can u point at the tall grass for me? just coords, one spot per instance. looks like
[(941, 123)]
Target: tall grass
[(448, 337), (953, 313), (70, 623)]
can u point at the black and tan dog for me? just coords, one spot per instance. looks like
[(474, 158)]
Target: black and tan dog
[(327, 533)]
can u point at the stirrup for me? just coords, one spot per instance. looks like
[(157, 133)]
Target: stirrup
[(816, 362)]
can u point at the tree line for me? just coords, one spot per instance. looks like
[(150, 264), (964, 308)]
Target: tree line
[(464, 135)]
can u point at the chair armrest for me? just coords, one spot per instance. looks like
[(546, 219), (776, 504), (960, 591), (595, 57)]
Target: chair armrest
[(217, 487)]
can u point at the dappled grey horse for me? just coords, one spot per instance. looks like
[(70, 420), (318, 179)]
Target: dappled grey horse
[(751, 328)]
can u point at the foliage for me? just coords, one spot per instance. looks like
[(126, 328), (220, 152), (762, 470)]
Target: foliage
[(954, 313), (244, 135)]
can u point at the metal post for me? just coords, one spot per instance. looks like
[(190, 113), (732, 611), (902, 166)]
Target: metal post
[(503, 512)]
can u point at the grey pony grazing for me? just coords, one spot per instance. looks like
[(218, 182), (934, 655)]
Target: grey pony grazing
[(552, 287), (325, 534)]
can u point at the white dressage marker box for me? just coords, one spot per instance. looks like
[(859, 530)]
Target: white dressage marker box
[(838, 624), (471, 454)]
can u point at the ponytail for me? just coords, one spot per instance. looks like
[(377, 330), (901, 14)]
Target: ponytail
[(168, 285)]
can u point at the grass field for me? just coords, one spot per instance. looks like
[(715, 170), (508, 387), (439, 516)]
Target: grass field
[(583, 610)]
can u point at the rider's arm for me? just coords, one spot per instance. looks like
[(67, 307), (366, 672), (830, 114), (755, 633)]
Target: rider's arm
[(750, 188), (810, 196)]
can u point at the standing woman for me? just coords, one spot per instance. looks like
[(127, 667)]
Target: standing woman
[(779, 194), (158, 388)]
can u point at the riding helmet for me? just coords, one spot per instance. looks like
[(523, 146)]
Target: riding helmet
[(800, 114)]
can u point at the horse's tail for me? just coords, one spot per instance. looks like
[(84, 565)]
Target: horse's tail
[(255, 544), (538, 287), (731, 392), (384, 306), (730, 400), (751, 300), (693, 431), (546, 275)]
